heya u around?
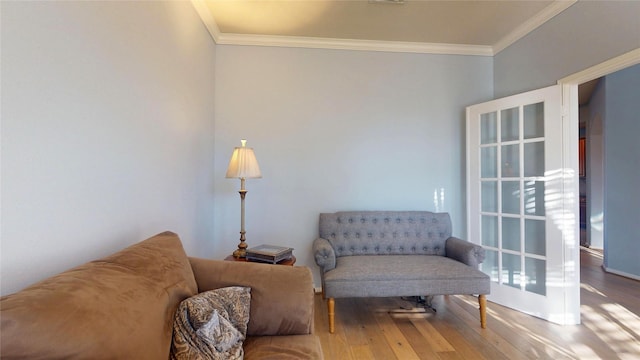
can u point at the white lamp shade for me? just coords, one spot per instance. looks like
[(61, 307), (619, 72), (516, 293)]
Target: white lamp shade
[(243, 164)]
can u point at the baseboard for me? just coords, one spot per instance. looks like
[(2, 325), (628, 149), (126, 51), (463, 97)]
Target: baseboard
[(621, 273)]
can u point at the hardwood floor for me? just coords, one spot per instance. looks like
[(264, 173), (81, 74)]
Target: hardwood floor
[(390, 328)]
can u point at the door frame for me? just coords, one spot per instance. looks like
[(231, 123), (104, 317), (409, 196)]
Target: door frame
[(571, 112)]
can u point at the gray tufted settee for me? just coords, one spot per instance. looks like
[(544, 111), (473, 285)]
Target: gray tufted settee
[(396, 253)]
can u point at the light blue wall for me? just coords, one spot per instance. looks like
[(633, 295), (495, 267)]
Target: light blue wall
[(586, 34), (622, 171), (107, 131), (340, 130)]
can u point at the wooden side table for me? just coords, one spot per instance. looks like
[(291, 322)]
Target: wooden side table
[(288, 262)]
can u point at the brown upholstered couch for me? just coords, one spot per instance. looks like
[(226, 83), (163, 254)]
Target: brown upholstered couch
[(122, 306)]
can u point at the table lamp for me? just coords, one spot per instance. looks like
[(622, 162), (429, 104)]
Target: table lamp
[(243, 165)]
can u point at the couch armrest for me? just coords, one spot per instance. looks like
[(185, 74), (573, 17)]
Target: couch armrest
[(324, 254), (464, 251), (281, 296)]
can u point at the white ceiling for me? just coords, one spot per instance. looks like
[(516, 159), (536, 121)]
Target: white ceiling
[(477, 27)]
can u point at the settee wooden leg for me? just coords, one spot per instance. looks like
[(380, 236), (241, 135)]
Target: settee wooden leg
[(331, 304), (482, 301)]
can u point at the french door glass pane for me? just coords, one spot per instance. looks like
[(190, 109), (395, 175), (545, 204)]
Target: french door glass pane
[(534, 237), (534, 198), (511, 197), (533, 120), (511, 270), (489, 128), (511, 160), (490, 230), (489, 194), (536, 274), (488, 162), (501, 184), (534, 159), (510, 124), (511, 233)]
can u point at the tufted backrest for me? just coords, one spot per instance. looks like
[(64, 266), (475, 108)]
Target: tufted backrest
[(386, 232)]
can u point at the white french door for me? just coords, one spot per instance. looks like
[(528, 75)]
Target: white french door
[(521, 203)]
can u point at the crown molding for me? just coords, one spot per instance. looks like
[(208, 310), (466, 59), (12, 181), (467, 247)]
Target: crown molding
[(528, 26), (209, 22), (325, 43), (351, 44), (623, 61), (371, 45)]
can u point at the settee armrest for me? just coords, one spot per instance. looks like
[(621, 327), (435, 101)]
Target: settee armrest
[(324, 254), (281, 296), (464, 251)]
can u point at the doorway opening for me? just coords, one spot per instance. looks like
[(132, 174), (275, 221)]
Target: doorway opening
[(592, 201), (590, 163)]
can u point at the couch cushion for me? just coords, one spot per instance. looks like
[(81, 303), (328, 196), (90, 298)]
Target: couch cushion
[(403, 275), (212, 325), (291, 347), (121, 306), (386, 232), (281, 296)]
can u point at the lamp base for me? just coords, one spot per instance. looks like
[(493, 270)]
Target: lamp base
[(241, 251)]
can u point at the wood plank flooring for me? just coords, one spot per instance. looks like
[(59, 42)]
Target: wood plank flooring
[(391, 328)]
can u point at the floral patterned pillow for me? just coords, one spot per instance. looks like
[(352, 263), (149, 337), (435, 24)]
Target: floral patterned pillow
[(212, 324)]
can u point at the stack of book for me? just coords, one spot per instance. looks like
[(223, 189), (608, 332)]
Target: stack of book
[(269, 253)]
